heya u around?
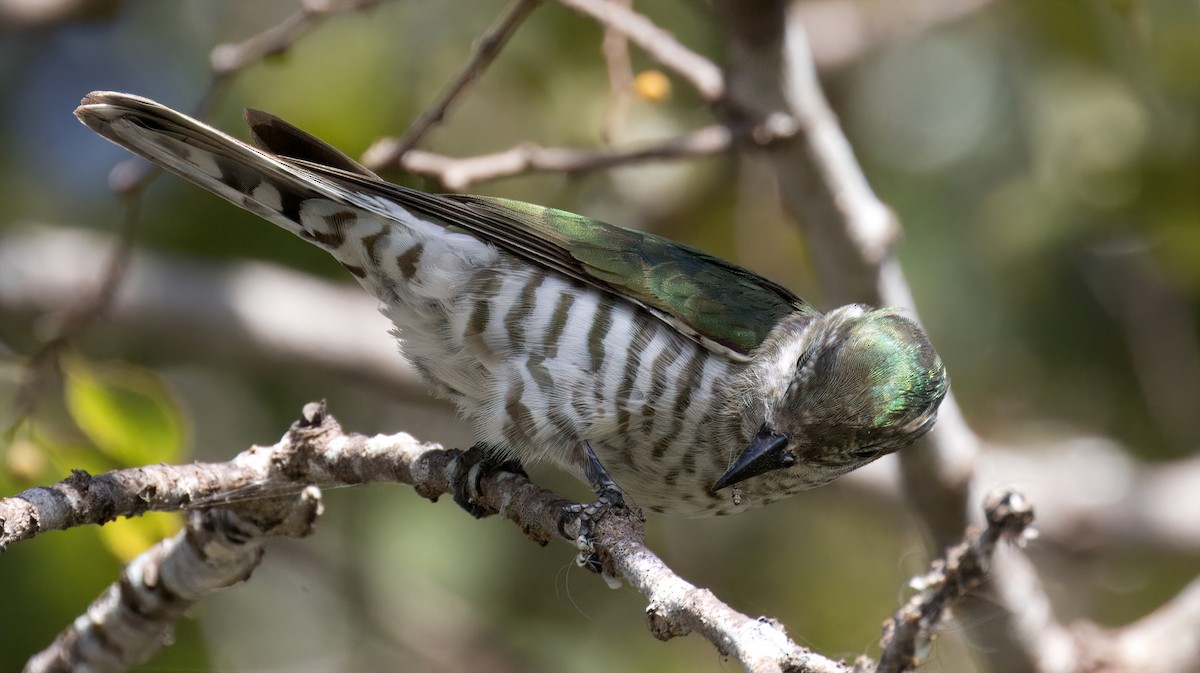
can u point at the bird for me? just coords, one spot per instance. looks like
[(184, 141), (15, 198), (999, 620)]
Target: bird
[(657, 373)]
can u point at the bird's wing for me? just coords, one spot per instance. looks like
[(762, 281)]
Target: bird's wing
[(724, 306), (705, 296)]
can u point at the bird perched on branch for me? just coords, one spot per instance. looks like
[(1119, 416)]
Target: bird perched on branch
[(647, 368)]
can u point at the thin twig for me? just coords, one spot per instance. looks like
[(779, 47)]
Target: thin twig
[(455, 174), (960, 570), (658, 43), (615, 47), (387, 152), (232, 57)]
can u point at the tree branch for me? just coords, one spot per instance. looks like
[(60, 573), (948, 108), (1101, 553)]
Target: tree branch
[(615, 47), (135, 616), (843, 31), (1164, 641), (456, 174), (959, 571), (314, 452), (253, 495), (853, 234), (232, 57)]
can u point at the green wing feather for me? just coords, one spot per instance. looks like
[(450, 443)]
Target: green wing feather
[(719, 303), (718, 300)]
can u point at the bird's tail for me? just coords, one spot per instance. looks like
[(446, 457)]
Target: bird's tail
[(271, 182)]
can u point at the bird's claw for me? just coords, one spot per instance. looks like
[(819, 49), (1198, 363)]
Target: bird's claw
[(476, 464), (588, 516)]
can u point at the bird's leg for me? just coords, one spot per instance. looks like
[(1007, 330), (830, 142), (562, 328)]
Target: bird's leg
[(475, 464), (608, 496)]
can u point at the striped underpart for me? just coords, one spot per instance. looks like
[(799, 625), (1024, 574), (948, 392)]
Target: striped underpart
[(576, 365)]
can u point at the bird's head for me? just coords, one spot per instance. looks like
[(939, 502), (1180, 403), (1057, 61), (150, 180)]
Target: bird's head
[(836, 392)]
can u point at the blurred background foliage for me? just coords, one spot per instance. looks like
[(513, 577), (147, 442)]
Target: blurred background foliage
[(1044, 158)]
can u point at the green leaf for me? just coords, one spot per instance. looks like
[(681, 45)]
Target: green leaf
[(124, 410)]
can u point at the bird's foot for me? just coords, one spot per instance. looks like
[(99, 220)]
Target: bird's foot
[(476, 464), (608, 499), (588, 515)]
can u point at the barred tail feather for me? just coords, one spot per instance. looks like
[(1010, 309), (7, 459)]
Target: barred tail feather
[(264, 183)]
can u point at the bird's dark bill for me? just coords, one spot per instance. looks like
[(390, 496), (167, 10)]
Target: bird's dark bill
[(767, 451)]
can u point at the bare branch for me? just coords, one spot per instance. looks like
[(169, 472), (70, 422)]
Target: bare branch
[(705, 77), (21, 15), (677, 607), (615, 48), (317, 451), (1164, 641), (960, 570), (821, 183), (387, 152), (134, 617), (254, 488), (853, 234), (456, 174), (229, 58), (843, 31)]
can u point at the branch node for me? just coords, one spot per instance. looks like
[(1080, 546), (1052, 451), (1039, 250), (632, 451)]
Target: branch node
[(1010, 514), (312, 415), (661, 626)]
